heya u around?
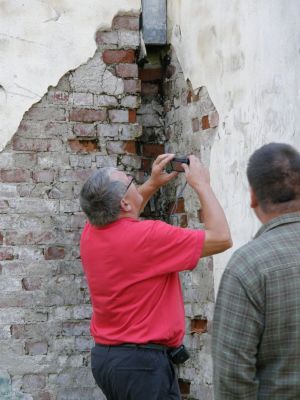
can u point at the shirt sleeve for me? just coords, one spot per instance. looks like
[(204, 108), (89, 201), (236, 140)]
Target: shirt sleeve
[(174, 249), (237, 328)]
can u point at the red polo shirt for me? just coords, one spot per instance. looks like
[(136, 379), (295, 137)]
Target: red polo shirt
[(132, 269)]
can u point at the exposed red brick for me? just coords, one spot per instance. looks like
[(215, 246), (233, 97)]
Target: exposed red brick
[(54, 253), (195, 124), (184, 386), (127, 70), (32, 283), (132, 116), (205, 122), (150, 89), (119, 56), (179, 208), (146, 164), (130, 147), (153, 149), (191, 96), (132, 86), (150, 74), (87, 115), (198, 325), (126, 22), (15, 175), (84, 145)]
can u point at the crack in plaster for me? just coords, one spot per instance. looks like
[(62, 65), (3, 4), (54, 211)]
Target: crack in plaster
[(23, 40), (56, 18)]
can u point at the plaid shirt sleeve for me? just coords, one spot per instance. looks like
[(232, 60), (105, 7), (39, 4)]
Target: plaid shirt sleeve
[(237, 328)]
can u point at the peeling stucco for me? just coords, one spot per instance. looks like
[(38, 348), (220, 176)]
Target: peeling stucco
[(39, 42), (247, 55)]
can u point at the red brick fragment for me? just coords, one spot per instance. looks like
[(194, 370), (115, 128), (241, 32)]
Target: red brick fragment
[(153, 149), (87, 115), (84, 145), (205, 122), (54, 253), (119, 56), (179, 208), (150, 74), (146, 164), (184, 386), (132, 116), (198, 325), (127, 70), (15, 175), (130, 147)]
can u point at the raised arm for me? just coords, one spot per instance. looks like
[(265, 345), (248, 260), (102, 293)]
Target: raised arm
[(217, 233)]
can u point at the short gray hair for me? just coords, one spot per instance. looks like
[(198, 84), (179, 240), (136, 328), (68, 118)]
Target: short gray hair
[(100, 197)]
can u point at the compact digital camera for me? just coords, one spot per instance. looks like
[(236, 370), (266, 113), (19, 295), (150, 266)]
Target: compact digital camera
[(175, 164)]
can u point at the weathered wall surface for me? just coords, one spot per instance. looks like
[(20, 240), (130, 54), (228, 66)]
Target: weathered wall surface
[(40, 42), (247, 55), (88, 120), (191, 122)]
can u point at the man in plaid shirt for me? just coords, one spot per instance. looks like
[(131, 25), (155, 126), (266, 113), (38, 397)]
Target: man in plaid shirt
[(256, 328)]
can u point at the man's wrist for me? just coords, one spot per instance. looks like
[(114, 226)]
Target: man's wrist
[(153, 184)]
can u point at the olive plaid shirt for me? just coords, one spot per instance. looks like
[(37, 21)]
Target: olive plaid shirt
[(256, 328)]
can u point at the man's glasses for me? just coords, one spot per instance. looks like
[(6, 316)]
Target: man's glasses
[(131, 181)]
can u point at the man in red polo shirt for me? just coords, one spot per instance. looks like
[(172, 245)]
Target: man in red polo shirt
[(132, 267)]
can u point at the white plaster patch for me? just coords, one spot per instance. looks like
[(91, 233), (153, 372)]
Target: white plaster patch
[(39, 42)]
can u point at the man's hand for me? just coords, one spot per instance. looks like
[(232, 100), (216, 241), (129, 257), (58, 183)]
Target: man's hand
[(197, 175), (159, 177)]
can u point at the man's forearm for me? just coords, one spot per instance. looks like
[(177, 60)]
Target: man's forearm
[(147, 190), (214, 220)]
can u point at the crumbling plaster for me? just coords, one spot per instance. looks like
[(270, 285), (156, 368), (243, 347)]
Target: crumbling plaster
[(39, 42), (247, 54)]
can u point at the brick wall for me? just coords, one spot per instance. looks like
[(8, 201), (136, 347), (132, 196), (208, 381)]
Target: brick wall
[(89, 120), (109, 111), (190, 128)]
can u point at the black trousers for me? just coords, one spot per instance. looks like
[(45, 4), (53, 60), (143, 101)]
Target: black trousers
[(125, 373)]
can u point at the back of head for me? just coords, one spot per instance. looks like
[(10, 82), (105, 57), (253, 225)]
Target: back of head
[(100, 197), (274, 175)]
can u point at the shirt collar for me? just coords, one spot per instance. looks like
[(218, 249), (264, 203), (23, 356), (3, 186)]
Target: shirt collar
[(281, 220)]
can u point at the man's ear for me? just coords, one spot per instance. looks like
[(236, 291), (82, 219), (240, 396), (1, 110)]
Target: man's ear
[(125, 206), (253, 199)]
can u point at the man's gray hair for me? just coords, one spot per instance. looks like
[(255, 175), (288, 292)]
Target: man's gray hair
[(100, 197)]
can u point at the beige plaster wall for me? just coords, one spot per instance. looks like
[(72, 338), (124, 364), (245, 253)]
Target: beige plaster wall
[(39, 42), (247, 54)]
